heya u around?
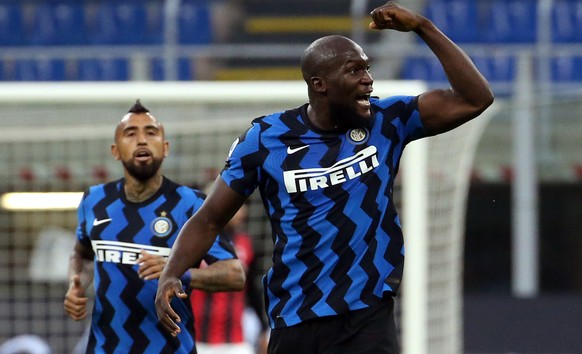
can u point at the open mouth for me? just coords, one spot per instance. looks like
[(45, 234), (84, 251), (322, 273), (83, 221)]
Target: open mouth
[(142, 155), (364, 100)]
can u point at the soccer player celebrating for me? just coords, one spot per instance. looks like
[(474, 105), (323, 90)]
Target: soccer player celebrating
[(325, 172), (125, 232)]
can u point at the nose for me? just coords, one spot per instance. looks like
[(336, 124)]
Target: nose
[(141, 140), (367, 78)]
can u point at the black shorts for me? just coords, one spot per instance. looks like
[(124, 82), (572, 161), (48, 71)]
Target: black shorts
[(371, 330)]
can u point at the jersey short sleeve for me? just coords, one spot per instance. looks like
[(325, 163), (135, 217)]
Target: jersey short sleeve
[(86, 216), (242, 169), (402, 112), (81, 234)]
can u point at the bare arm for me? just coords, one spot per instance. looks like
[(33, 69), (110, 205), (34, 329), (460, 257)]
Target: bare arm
[(80, 275), (194, 240), (227, 275), (224, 275), (469, 95)]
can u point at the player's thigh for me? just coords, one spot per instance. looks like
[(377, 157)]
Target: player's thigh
[(370, 330)]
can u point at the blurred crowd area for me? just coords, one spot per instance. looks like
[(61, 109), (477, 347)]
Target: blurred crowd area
[(61, 40)]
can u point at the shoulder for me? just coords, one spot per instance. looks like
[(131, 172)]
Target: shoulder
[(194, 193), (401, 108), (112, 185), (100, 191), (184, 191), (277, 118), (401, 102), (185, 198), (264, 133)]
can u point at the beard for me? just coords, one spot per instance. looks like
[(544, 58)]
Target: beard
[(347, 117), (142, 172)]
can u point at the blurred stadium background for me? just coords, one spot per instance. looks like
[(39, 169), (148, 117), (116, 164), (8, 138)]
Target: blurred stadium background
[(522, 266)]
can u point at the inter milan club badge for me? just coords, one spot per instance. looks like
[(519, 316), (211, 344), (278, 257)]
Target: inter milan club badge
[(161, 226), (357, 136)]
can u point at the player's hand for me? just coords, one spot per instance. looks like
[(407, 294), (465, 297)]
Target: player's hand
[(150, 265), (395, 17), (75, 301), (167, 289)]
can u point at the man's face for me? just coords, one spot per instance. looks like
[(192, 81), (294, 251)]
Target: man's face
[(140, 145), (349, 85)]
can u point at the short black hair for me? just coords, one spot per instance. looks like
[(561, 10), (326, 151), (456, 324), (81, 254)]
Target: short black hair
[(138, 108)]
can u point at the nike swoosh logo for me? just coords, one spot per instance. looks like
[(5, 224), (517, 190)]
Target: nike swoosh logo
[(291, 150), (99, 222)]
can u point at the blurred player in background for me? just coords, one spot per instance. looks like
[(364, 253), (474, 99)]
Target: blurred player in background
[(325, 172), (219, 316), (126, 230)]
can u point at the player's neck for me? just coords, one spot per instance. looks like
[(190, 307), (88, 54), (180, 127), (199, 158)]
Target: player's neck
[(138, 191), (320, 118)]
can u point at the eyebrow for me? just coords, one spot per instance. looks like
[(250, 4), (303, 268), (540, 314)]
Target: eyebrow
[(147, 127)]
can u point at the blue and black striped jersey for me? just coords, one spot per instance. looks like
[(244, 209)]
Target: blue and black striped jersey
[(124, 319), (338, 243)]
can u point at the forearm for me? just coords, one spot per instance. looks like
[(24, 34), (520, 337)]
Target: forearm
[(192, 244), (80, 264), (465, 79), (84, 269), (80, 274), (225, 275)]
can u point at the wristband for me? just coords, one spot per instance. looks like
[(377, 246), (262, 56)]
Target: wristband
[(186, 278)]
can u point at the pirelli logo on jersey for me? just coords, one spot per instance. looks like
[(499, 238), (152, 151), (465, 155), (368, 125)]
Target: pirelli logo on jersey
[(123, 252), (318, 178)]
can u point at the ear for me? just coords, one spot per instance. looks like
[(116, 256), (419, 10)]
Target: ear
[(115, 152), (318, 84), (166, 148)]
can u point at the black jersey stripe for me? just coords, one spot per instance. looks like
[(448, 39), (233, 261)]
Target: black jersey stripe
[(306, 255), (105, 321), (346, 229), (138, 314)]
